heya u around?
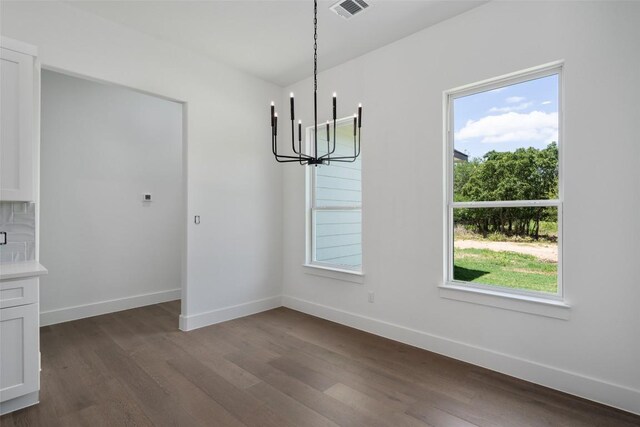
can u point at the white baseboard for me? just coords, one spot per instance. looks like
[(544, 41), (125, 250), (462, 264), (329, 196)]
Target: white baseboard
[(615, 395), (103, 307), (195, 321)]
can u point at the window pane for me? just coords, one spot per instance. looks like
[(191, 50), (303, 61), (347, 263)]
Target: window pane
[(508, 247), (336, 213), (339, 184), (338, 237), (506, 143)]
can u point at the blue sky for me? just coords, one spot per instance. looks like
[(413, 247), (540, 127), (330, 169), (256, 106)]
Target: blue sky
[(520, 115)]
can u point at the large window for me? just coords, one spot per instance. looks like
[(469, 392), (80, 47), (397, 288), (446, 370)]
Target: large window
[(504, 192), (334, 203)]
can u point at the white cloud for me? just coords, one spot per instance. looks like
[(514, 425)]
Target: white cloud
[(519, 107), (515, 99), (534, 126), (545, 103)]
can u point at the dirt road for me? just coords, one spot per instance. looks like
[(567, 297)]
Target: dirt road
[(545, 251)]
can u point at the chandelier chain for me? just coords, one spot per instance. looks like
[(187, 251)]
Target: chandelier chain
[(315, 45)]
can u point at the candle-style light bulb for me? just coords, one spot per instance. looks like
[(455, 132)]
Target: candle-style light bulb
[(273, 109), (292, 109), (335, 104), (299, 130), (327, 130), (355, 123), (275, 124), (359, 115)]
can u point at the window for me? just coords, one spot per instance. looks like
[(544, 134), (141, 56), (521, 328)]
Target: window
[(504, 189), (334, 207)]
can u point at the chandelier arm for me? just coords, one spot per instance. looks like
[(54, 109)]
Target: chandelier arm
[(328, 160), (292, 158), (329, 153), (288, 161), (293, 137), (344, 158), (334, 140), (296, 158), (356, 151), (274, 141), (274, 148), (293, 134), (293, 144), (354, 144), (300, 154), (334, 137)]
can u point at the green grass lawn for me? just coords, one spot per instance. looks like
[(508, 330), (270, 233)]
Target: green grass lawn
[(509, 269)]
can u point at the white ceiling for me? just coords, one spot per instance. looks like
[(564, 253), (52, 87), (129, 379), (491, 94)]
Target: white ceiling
[(274, 39)]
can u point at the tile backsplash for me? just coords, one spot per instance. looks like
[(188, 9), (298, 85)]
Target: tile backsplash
[(18, 220)]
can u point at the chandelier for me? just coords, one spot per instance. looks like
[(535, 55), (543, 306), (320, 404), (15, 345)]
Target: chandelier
[(314, 157)]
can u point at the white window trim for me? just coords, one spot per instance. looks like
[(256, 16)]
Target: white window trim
[(309, 265), (554, 305), (508, 301), (352, 276)]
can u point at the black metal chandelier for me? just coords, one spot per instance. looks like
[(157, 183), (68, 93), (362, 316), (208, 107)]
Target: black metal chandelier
[(315, 158)]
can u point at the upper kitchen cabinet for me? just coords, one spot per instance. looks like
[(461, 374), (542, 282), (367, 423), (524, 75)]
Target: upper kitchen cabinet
[(18, 120)]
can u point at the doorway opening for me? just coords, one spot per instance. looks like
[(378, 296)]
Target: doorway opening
[(112, 198)]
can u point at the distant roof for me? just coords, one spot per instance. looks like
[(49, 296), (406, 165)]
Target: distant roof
[(459, 156)]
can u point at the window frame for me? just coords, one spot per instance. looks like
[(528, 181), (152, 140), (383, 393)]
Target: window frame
[(310, 212), (555, 68)]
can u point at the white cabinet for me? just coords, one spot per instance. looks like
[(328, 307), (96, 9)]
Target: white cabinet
[(18, 121), (19, 336), (19, 371)]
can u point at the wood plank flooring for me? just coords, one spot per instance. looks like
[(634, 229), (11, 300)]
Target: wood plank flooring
[(277, 368)]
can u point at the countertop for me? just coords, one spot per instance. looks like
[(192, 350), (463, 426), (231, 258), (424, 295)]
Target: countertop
[(16, 270)]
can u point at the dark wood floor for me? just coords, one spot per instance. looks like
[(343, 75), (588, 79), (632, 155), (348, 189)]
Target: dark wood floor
[(278, 368)]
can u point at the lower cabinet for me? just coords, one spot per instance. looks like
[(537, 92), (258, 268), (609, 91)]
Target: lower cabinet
[(19, 357)]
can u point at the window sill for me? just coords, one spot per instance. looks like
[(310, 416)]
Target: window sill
[(334, 273), (507, 301)]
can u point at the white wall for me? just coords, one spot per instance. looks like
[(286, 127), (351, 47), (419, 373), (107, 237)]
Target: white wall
[(102, 147), (234, 255), (596, 352)]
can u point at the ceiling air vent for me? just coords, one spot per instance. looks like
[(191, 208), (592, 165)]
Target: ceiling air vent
[(348, 8)]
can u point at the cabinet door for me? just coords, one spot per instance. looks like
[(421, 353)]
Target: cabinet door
[(19, 371), (16, 126)]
